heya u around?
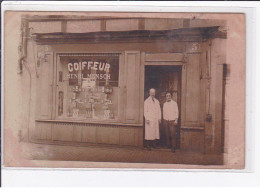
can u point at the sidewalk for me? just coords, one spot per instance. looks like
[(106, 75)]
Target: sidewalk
[(110, 153)]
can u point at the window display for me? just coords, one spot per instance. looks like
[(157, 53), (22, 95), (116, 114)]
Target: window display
[(88, 89)]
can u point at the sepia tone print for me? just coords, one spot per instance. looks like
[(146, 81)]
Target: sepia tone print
[(119, 90)]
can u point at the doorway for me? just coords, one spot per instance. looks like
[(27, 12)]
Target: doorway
[(164, 78)]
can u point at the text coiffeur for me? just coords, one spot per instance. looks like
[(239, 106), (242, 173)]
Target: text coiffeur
[(89, 66)]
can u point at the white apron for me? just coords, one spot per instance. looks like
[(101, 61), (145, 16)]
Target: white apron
[(152, 112)]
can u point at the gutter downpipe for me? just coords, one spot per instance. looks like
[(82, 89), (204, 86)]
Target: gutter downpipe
[(22, 62)]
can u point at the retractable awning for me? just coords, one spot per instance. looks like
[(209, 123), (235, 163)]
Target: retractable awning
[(183, 34)]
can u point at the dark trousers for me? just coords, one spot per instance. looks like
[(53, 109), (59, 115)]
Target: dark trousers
[(170, 133)]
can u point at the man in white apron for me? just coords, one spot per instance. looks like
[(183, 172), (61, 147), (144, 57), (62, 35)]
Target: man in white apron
[(152, 114)]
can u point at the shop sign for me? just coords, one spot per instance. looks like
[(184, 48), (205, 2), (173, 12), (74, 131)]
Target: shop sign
[(89, 69)]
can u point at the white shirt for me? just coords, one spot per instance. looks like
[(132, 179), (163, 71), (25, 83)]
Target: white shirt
[(170, 111)]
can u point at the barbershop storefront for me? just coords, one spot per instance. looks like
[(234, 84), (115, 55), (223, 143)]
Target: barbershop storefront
[(91, 86)]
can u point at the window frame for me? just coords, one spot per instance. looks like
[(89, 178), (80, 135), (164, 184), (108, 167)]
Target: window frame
[(58, 56)]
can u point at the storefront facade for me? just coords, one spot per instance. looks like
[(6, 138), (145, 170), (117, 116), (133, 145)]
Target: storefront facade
[(91, 77)]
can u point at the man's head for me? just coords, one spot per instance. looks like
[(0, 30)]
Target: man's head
[(168, 96), (152, 92)]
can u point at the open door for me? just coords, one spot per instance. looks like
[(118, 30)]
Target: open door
[(164, 78)]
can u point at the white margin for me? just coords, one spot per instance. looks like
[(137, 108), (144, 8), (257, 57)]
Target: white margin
[(251, 77)]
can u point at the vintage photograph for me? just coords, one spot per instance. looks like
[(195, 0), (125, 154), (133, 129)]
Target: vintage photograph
[(124, 90)]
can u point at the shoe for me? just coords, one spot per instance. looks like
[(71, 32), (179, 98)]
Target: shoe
[(173, 150)]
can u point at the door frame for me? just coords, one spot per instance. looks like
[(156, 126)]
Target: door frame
[(164, 59)]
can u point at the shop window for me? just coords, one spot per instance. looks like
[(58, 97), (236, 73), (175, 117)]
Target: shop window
[(89, 88)]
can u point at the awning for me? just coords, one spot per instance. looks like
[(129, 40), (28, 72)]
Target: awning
[(183, 34)]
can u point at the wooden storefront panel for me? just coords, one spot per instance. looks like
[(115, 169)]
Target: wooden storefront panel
[(62, 132), (192, 140), (131, 136), (121, 97), (164, 57), (43, 131), (89, 134), (127, 136), (139, 133), (44, 87), (132, 64), (203, 87), (108, 135), (193, 109), (218, 117), (77, 130), (193, 93)]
